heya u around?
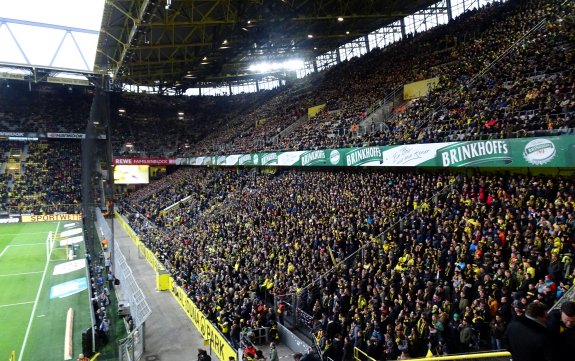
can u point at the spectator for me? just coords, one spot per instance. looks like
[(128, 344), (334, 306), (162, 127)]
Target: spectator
[(203, 355), (562, 327), (273, 352), (497, 327), (528, 336), (465, 336)]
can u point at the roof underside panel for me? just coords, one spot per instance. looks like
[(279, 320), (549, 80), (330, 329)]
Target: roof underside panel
[(151, 42)]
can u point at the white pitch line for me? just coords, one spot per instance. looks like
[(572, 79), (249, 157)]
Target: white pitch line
[(22, 234), (47, 244), (17, 304), (20, 245), (20, 274), (27, 244), (35, 304), (5, 249)]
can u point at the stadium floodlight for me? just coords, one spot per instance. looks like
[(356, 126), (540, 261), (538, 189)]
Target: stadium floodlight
[(267, 67), (224, 45)]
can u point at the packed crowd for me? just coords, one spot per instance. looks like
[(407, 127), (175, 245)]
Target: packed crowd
[(151, 125), (50, 179), (446, 260), (5, 176), (45, 108), (528, 90), (4, 192)]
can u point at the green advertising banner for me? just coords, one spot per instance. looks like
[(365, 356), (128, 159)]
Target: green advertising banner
[(548, 152)]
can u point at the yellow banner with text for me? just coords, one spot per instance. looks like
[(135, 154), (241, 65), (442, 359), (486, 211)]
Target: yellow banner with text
[(51, 218), (149, 255), (208, 331)]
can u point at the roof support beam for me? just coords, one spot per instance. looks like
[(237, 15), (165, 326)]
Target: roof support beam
[(49, 26), (131, 34), (16, 42)]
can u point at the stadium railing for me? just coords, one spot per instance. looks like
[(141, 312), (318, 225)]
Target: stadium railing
[(569, 295), (359, 355)]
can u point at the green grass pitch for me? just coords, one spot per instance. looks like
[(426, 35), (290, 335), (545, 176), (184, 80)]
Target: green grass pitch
[(32, 323)]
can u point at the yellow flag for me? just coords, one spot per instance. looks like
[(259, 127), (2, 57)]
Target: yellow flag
[(312, 112), (331, 256), (13, 356), (429, 353)]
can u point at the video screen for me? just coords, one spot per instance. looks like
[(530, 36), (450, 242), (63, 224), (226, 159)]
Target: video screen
[(131, 174)]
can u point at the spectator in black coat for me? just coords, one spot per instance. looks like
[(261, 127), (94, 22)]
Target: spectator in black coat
[(497, 327), (347, 350), (562, 327), (203, 355), (528, 337), (555, 268)]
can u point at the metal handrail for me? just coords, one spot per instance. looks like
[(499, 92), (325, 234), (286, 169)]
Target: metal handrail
[(567, 296), (468, 356)]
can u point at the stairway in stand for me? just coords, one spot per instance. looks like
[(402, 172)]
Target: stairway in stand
[(14, 164)]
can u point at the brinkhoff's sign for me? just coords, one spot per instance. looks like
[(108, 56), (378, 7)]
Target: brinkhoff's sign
[(471, 153), (315, 157), (362, 155), (556, 151)]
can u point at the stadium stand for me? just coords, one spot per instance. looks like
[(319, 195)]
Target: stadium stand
[(47, 108), (468, 248), (183, 121), (529, 90), (47, 179), (389, 262)]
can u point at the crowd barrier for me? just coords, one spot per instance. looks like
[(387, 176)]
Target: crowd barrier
[(149, 255)]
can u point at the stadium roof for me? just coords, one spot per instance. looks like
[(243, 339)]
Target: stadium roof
[(171, 42), (52, 35)]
